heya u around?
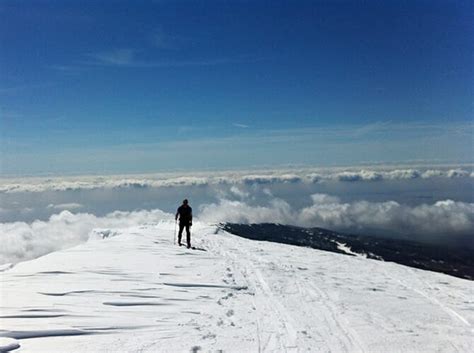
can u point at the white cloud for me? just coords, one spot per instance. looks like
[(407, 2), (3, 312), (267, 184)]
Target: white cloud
[(372, 127), (315, 177), (267, 191), (278, 211), (269, 179), (441, 218), (425, 222), (127, 58), (324, 198), (457, 173), (66, 206), (117, 57), (432, 173), (403, 174), (239, 193), (243, 126), (437, 222), (22, 241), (283, 176), (367, 175)]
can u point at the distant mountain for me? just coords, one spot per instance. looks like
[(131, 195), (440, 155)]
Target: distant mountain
[(454, 261)]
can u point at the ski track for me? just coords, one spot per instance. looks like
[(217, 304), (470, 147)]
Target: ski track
[(138, 292), (279, 333)]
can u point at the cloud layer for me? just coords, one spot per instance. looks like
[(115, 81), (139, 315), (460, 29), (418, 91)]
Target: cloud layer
[(215, 178), (441, 221), (22, 241)]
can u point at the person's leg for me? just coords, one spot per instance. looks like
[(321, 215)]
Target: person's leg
[(180, 233), (188, 236)]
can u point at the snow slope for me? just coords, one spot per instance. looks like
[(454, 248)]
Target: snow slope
[(134, 291)]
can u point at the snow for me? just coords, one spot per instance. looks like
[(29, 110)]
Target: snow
[(347, 249), (8, 344), (135, 291)]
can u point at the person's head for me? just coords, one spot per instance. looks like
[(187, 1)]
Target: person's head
[(185, 201)]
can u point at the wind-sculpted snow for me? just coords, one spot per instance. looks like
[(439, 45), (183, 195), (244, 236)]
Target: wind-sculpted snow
[(8, 344), (305, 175), (139, 292)]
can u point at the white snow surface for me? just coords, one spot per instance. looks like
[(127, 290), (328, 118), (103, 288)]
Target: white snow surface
[(135, 291)]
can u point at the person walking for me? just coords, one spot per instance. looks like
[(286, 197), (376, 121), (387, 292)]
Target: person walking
[(185, 214)]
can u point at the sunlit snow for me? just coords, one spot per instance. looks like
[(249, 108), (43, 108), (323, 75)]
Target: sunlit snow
[(133, 290)]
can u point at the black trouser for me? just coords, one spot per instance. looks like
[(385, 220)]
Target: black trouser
[(188, 233)]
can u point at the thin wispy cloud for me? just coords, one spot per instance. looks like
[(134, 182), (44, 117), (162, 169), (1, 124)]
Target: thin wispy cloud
[(242, 126), (435, 143), (127, 58), (171, 68), (65, 206), (161, 40), (67, 69), (372, 128), (349, 131), (24, 87), (117, 57)]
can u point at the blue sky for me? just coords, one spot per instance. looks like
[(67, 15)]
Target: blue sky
[(141, 86)]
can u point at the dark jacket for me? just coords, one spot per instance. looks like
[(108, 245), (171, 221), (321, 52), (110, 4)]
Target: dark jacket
[(185, 214)]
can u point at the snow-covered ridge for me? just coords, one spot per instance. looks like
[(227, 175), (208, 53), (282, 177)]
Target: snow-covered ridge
[(133, 290), (444, 222), (454, 260), (306, 175)]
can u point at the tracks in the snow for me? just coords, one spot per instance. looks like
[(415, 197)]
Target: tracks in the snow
[(337, 325), (278, 312)]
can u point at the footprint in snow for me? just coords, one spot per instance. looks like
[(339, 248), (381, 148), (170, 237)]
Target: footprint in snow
[(209, 336)]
